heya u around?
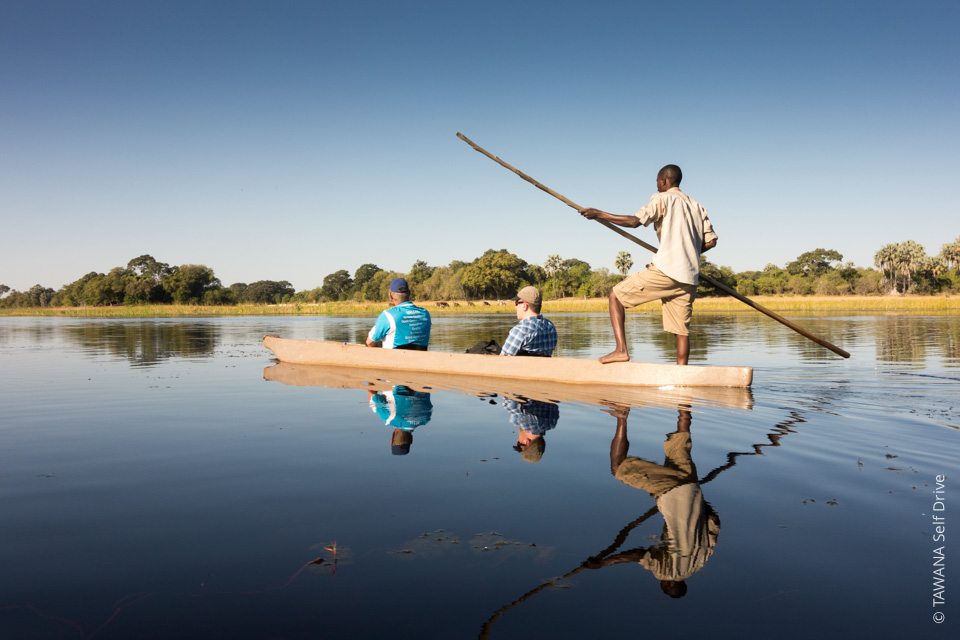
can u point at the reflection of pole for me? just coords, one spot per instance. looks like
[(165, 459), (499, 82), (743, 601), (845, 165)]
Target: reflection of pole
[(619, 540), (780, 429)]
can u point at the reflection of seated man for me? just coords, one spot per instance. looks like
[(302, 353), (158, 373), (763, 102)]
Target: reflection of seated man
[(404, 325), (405, 410), (532, 418), (534, 335), (690, 526)]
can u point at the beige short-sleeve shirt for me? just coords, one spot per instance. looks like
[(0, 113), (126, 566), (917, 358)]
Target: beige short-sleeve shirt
[(682, 226)]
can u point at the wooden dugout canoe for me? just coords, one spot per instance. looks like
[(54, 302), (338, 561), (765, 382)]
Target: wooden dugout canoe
[(561, 370)]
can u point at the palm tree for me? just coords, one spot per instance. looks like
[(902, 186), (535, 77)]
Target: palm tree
[(936, 265), (910, 258), (553, 265), (951, 254), (623, 263), (884, 259)]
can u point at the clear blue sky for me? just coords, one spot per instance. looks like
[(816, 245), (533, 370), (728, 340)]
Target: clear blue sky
[(285, 140)]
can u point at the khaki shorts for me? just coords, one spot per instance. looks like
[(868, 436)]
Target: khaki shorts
[(657, 479), (653, 284)]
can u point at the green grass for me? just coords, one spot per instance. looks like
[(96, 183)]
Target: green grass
[(796, 304)]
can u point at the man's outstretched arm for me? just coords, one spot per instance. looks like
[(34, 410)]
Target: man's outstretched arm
[(623, 221)]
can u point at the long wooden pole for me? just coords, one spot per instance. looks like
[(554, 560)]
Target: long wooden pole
[(719, 285)]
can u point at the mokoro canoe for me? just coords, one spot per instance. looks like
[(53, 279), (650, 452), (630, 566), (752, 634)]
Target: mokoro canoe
[(565, 370), (316, 375)]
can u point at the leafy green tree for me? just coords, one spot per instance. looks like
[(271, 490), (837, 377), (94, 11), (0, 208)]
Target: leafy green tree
[(724, 275), (831, 284), (419, 272), (311, 295), (537, 275), (623, 263), (221, 296), (98, 289), (576, 277), (601, 282), (266, 292), (378, 286), (138, 291), (495, 274), (443, 284), (337, 284), (40, 296), (868, 283), (237, 289), (814, 263), (363, 274), (746, 287), (147, 266), (849, 272), (187, 283), (800, 285), (3, 290), (553, 266), (459, 265)]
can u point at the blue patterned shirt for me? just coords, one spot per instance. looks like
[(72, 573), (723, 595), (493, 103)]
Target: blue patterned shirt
[(534, 336), (401, 325), (533, 416)]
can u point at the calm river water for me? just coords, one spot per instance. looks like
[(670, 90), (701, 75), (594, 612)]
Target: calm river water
[(154, 483)]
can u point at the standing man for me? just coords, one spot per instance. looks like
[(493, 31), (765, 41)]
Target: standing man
[(684, 231), (403, 326), (534, 335)]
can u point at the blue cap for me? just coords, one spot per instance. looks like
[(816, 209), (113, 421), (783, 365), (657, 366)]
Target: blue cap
[(399, 285)]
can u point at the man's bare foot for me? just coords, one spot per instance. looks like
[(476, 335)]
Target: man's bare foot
[(616, 410), (615, 356)]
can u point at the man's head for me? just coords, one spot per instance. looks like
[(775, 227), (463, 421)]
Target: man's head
[(674, 588), (529, 446), (399, 290), (668, 177), (528, 301)]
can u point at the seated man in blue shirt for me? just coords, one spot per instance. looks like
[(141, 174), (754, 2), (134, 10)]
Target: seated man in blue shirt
[(404, 326), (534, 335)]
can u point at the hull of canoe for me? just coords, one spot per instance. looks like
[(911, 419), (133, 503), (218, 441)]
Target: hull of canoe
[(573, 371)]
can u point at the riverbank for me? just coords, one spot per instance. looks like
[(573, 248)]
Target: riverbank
[(780, 304)]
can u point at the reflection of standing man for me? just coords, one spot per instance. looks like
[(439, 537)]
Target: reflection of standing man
[(405, 410), (690, 527), (533, 419), (403, 326)]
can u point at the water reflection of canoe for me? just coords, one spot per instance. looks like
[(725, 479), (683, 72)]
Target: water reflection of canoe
[(563, 370), (337, 377)]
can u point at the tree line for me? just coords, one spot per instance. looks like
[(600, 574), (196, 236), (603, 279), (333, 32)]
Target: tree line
[(900, 268)]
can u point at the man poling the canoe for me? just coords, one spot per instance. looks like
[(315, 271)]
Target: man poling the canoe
[(684, 231), (719, 285)]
